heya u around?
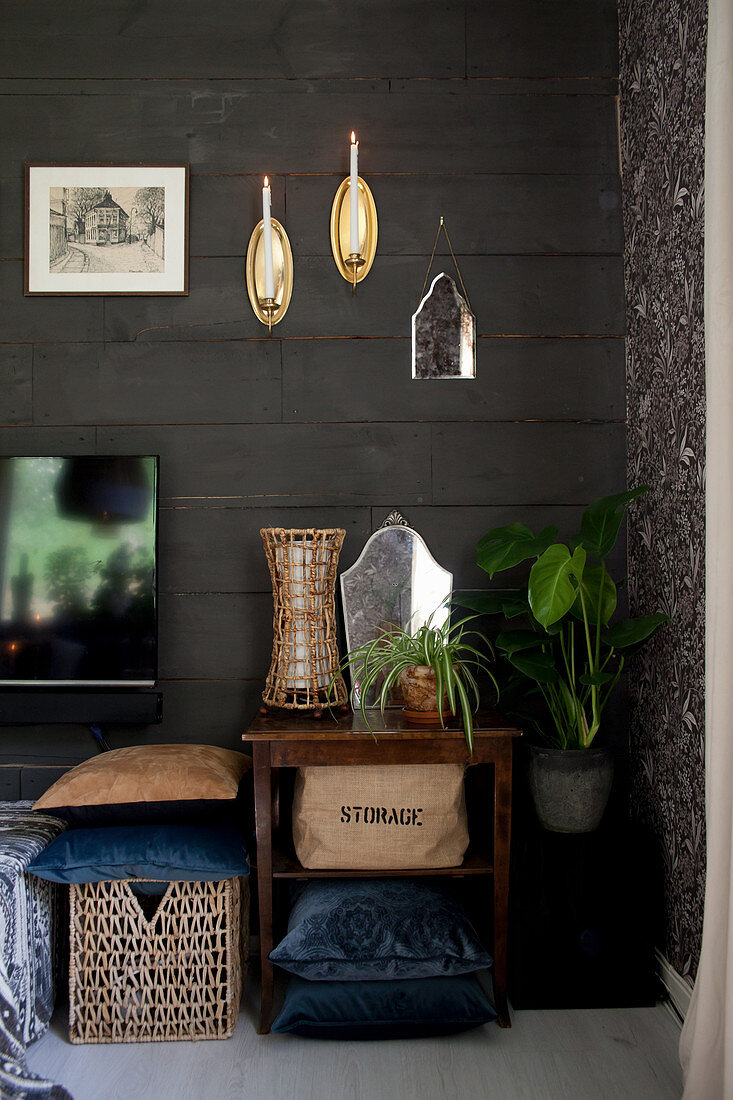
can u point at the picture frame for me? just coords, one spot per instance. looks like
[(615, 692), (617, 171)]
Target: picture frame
[(106, 229)]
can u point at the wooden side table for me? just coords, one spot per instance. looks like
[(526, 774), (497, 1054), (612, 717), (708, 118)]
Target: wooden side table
[(290, 740)]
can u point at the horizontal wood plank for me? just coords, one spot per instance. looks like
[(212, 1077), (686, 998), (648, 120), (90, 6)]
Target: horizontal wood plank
[(123, 87), (12, 220), (541, 38), (64, 317), (16, 384), (486, 87), (354, 380), (170, 37), (510, 295), (283, 464), (313, 39), (47, 441), (49, 745), (220, 549), (203, 712), (253, 130), (527, 463), (35, 781), (174, 383), (9, 784), (485, 214), (240, 195), (214, 636)]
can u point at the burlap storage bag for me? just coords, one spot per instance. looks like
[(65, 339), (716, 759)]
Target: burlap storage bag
[(368, 818)]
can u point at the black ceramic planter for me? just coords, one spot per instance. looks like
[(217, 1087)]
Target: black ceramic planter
[(570, 787)]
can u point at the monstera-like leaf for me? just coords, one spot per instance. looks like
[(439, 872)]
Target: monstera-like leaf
[(510, 603), (538, 666), (598, 592), (554, 582), (602, 519), (629, 633), (514, 641), (505, 547)]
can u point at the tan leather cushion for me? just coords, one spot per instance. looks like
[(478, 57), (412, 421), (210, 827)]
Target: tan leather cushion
[(150, 773)]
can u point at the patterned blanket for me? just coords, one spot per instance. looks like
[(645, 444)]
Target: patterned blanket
[(26, 950)]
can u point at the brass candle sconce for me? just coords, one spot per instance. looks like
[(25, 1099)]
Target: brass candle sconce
[(269, 267), (354, 226)]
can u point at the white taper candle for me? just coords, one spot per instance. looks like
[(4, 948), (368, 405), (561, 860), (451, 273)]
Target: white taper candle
[(267, 229), (354, 195)]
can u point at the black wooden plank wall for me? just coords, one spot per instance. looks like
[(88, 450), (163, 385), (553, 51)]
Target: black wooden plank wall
[(500, 116)]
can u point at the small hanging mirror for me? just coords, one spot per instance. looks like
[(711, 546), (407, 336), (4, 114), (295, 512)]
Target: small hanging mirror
[(443, 327)]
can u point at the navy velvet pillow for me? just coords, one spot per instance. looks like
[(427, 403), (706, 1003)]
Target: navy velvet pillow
[(197, 811), (411, 1009), (378, 929), (163, 852)]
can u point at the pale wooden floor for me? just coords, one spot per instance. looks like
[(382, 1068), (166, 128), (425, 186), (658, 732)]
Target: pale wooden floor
[(600, 1054)]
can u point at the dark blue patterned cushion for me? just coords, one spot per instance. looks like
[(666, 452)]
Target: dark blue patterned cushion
[(192, 853), (411, 1009), (377, 929)]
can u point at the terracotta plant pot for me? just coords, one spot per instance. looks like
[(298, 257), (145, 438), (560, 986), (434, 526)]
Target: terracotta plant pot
[(420, 694)]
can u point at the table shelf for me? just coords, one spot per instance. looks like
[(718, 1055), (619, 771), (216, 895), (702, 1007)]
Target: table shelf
[(285, 866)]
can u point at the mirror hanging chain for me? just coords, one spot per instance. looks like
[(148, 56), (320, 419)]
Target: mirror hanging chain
[(442, 227)]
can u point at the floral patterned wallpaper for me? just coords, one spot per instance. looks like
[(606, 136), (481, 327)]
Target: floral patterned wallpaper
[(662, 105)]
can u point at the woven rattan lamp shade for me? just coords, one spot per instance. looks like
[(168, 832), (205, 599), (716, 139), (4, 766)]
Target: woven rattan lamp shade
[(305, 655)]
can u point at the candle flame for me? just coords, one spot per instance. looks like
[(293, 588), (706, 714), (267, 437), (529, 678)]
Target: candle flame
[(353, 138), (267, 182)]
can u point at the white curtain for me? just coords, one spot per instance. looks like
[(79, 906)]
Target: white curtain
[(706, 1047)]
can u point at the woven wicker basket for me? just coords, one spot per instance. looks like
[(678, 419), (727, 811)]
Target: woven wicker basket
[(177, 975)]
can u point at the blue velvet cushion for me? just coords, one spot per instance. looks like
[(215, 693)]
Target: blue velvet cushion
[(163, 852), (409, 1009), (378, 929)]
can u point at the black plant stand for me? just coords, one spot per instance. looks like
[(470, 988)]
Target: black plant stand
[(583, 917)]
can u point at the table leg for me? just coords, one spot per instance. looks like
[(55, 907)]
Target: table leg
[(275, 780), (263, 824), (502, 841)]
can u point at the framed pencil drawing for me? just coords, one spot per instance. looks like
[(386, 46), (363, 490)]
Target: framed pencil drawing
[(106, 229)]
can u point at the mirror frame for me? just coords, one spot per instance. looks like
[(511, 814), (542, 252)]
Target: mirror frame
[(392, 520)]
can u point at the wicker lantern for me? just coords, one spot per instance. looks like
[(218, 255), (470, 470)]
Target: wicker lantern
[(304, 651)]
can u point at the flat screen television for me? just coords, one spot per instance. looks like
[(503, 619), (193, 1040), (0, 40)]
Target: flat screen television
[(78, 571)]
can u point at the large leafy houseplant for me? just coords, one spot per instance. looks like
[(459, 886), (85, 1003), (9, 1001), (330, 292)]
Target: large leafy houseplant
[(453, 652), (566, 648)]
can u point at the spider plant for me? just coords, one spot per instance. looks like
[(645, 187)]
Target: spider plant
[(453, 652)]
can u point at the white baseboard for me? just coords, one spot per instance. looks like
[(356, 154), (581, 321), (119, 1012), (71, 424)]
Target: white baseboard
[(678, 989)]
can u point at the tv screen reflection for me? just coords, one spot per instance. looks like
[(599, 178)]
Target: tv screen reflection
[(78, 570)]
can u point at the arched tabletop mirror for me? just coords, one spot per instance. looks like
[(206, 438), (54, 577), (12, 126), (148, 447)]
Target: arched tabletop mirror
[(396, 581)]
